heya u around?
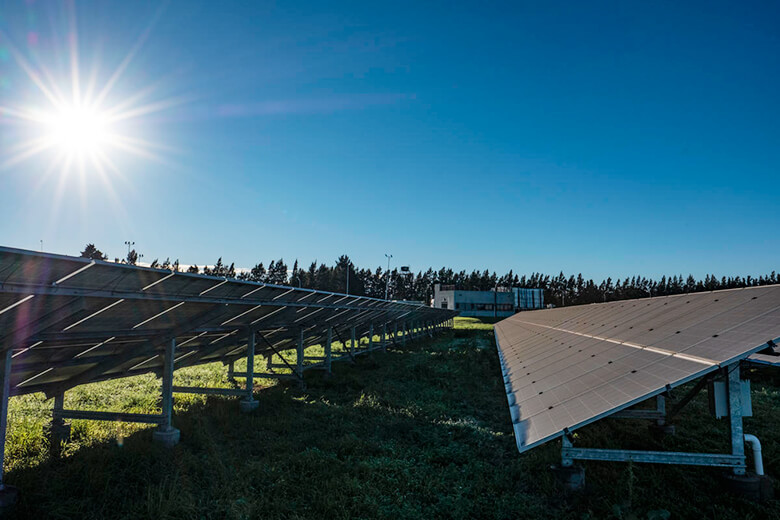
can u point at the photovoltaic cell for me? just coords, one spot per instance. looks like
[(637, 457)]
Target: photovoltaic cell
[(568, 367)]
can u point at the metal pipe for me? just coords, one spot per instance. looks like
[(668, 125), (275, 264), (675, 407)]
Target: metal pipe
[(755, 444)]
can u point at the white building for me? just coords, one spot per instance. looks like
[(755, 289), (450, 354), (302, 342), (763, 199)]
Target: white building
[(487, 304)]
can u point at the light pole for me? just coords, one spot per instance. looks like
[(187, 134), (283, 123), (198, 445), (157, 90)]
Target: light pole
[(129, 245), (387, 274), (346, 267)]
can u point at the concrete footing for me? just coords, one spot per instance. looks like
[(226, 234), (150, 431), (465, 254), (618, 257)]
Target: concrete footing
[(9, 495), (169, 437), (248, 406), (572, 477), (757, 488)]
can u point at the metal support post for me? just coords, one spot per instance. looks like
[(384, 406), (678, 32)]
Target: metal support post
[(384, 337), (660, 402), (299, 356), (395, 333), (735, 416), (352, 344), (8, 494), (403, 334), (231, 370), (328, 351), (166, 434), (571, 475), (248, 403), (566, 444), (59, 431), (370, 337), (299, 353)]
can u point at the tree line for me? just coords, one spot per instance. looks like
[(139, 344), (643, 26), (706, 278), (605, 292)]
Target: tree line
[(559, 290)]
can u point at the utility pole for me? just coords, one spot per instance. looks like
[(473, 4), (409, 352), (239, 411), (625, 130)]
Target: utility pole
[(387, 275), (347, 268)]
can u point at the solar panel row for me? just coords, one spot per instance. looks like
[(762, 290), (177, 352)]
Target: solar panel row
[(568, 367), (71, 321)]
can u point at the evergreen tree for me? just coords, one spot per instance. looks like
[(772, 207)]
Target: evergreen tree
[(93, 253)]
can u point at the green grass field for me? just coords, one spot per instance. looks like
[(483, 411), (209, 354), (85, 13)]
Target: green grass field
[(417, 432)]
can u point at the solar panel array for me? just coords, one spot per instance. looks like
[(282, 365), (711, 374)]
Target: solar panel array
[(72, 321), (567, 367)]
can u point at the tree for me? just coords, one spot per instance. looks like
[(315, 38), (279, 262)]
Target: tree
[(93, 253), (132, 257)]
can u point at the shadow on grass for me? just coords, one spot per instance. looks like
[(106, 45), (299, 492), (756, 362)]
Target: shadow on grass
[(419, 432)]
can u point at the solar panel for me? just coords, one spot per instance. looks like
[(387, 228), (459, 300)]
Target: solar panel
[(765, 359), (71, 321), (568, 367)]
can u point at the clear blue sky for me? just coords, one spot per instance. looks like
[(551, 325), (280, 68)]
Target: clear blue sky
[(613, 138)]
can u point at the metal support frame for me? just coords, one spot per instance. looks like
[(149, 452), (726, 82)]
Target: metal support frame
[(735, 416), (384, 337), (329, 351), (371, 336), (58, 430), (658, 415), (735, 460), (344, 345), (240, 392), (161, 419), (352, 343), (299, 353), (166, 434), (403, 334), (5, 388), (248, 403)]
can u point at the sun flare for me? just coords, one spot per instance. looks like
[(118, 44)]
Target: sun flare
[(77, 129), (83, 122)]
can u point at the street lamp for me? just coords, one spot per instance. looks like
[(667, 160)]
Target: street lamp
[(346, 267), (387, 274)]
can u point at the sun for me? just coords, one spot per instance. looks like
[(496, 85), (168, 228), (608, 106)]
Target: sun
[(81, 122), (77, 129)]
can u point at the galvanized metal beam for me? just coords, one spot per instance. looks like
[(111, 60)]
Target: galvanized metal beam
[(90, 415), (209, 391), (735, 416), (655, 457)]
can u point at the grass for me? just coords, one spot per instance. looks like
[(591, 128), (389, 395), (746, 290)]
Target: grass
[(419, 432)]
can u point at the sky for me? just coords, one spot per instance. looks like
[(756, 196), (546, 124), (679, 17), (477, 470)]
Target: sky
[(607, 138)]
